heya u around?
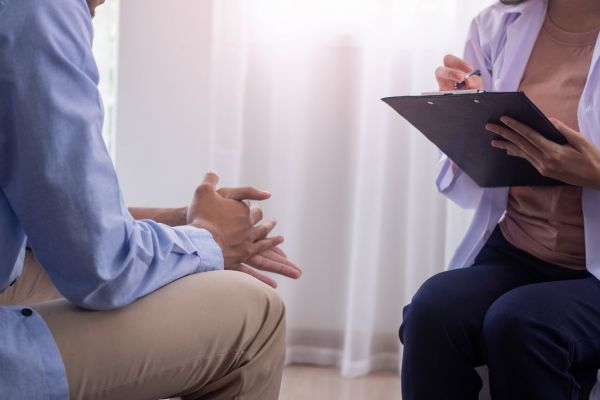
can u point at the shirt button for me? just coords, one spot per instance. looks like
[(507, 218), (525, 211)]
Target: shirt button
[(27, 312)]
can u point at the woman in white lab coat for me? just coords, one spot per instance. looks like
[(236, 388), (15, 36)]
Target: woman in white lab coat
[(528, 306)]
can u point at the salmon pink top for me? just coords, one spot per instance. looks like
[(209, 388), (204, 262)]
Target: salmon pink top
[(547, 222)]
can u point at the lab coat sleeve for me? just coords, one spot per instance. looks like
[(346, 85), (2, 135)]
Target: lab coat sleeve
[(453, 182)]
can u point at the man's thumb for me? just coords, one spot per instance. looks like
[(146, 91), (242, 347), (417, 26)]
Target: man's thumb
[(211, 179)]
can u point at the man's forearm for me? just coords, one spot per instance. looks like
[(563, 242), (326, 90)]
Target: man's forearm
[(167, 216)]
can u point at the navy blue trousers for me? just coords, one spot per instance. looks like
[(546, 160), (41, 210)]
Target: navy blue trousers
[(534, 324)]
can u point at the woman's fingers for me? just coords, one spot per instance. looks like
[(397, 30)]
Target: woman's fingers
[(454, 71), (454, 62), (574, 138), (445, 74), (444, 84), (514, 137), (531, 135), (474, 82), (514, 150), (511, 149)]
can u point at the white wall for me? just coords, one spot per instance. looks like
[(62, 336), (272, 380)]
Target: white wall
[(162, 93)]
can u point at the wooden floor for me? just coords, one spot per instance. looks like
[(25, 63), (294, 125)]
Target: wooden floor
[(314, 383)]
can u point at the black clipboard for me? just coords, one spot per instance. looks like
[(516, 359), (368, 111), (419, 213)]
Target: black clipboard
[(455, 123)]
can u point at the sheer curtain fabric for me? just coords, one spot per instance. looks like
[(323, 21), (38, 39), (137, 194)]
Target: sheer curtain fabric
[(285, 95)]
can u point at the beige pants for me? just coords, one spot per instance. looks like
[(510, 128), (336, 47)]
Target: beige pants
[(216, 335)]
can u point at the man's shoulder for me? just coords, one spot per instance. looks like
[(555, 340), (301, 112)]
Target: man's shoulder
[(27, 15), (30, 29)]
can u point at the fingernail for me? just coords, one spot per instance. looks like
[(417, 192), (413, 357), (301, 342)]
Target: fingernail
[(505, 120)]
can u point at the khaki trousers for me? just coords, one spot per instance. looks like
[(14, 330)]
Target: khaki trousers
[(216, 335)]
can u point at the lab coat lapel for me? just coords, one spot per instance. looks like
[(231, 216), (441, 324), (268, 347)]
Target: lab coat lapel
[(589, 121), (595, 58)]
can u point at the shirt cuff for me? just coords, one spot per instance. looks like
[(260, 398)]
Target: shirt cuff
[(206, 248)]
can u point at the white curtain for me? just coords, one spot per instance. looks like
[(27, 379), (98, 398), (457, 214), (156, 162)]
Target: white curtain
[(106, 25), (295, 107), (285, 95)]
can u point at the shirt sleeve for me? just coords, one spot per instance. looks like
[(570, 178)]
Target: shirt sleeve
[(61, 182), (478, 54)]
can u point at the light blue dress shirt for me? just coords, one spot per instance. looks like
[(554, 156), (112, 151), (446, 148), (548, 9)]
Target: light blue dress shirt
[(59, 190), (499, 43)]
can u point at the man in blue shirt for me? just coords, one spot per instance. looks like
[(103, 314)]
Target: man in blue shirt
[(217, 335)]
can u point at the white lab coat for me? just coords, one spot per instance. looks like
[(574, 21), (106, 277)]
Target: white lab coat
[(499, 43)]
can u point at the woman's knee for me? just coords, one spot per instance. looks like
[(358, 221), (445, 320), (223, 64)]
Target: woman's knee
[(511, 322), (434, 306)]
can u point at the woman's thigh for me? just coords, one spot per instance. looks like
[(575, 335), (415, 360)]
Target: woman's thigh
[(543, 340), (459, 299), (568, 311), (466, 293)]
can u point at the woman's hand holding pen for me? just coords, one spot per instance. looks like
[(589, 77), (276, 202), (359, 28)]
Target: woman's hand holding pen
[(576, 163), (453, 75)]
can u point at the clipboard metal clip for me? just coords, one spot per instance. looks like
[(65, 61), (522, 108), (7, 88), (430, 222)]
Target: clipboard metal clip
[(452, 92)]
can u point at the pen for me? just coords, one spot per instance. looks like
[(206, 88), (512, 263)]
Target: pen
[(459, 85)]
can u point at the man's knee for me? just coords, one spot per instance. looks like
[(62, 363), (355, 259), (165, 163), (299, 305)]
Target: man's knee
[(253, 306), (254, 295), (241, 304), (263, 314)]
